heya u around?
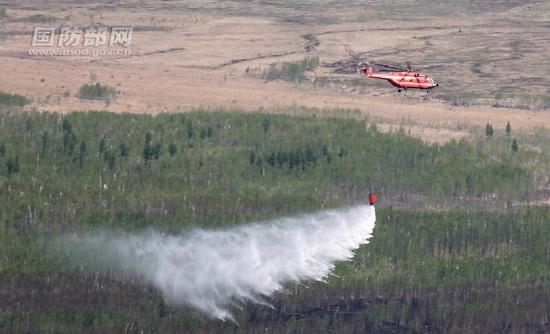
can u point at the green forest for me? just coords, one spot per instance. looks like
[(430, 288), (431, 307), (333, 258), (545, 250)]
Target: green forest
[(466, 269)]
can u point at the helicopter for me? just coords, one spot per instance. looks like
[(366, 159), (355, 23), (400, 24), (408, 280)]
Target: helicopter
[(402, 78)]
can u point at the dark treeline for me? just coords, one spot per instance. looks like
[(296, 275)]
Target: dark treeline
[(85, 171), (182, 169)]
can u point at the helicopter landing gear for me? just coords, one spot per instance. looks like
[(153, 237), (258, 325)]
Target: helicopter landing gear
[(399, 90)]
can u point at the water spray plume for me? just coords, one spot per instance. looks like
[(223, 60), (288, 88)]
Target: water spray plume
[(212, 270)]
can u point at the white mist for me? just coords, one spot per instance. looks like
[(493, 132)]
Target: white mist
[(212, 270)]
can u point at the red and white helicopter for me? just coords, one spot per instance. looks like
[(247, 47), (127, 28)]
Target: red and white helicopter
[(403, 79)]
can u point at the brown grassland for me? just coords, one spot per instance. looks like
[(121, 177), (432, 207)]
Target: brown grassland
[(187, 54)]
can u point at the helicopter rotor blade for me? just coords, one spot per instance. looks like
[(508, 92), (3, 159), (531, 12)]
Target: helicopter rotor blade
[(355, 57), (390, 66), (387, 67)]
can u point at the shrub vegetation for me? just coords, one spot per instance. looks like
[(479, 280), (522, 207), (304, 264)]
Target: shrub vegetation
[(8, 99), (97, 91), (291, 71), (420, 272)]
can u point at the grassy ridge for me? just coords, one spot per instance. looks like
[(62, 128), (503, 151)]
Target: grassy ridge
[(86, 171)]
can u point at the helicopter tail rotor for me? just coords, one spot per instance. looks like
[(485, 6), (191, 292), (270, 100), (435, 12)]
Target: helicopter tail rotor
[(367, 70)]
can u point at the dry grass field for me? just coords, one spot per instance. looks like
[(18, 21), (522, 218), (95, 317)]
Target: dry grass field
[(187, 54)]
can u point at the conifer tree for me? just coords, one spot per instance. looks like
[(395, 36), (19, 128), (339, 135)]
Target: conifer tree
[(124, 150), (489, 130), (515, 146), (172, 149), (82, 154), (13, 165), (45, 141)]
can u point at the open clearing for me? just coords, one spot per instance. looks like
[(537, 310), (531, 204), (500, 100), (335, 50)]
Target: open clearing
[(187, 54)]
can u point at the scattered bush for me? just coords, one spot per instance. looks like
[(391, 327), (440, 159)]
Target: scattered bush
[(40, 19), (96, 91), (522, 101), (534, 102), (291, 71), (458, 99), (13, 99)]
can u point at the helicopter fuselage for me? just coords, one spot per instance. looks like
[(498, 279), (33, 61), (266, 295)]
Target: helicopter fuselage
[(403, 80)]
